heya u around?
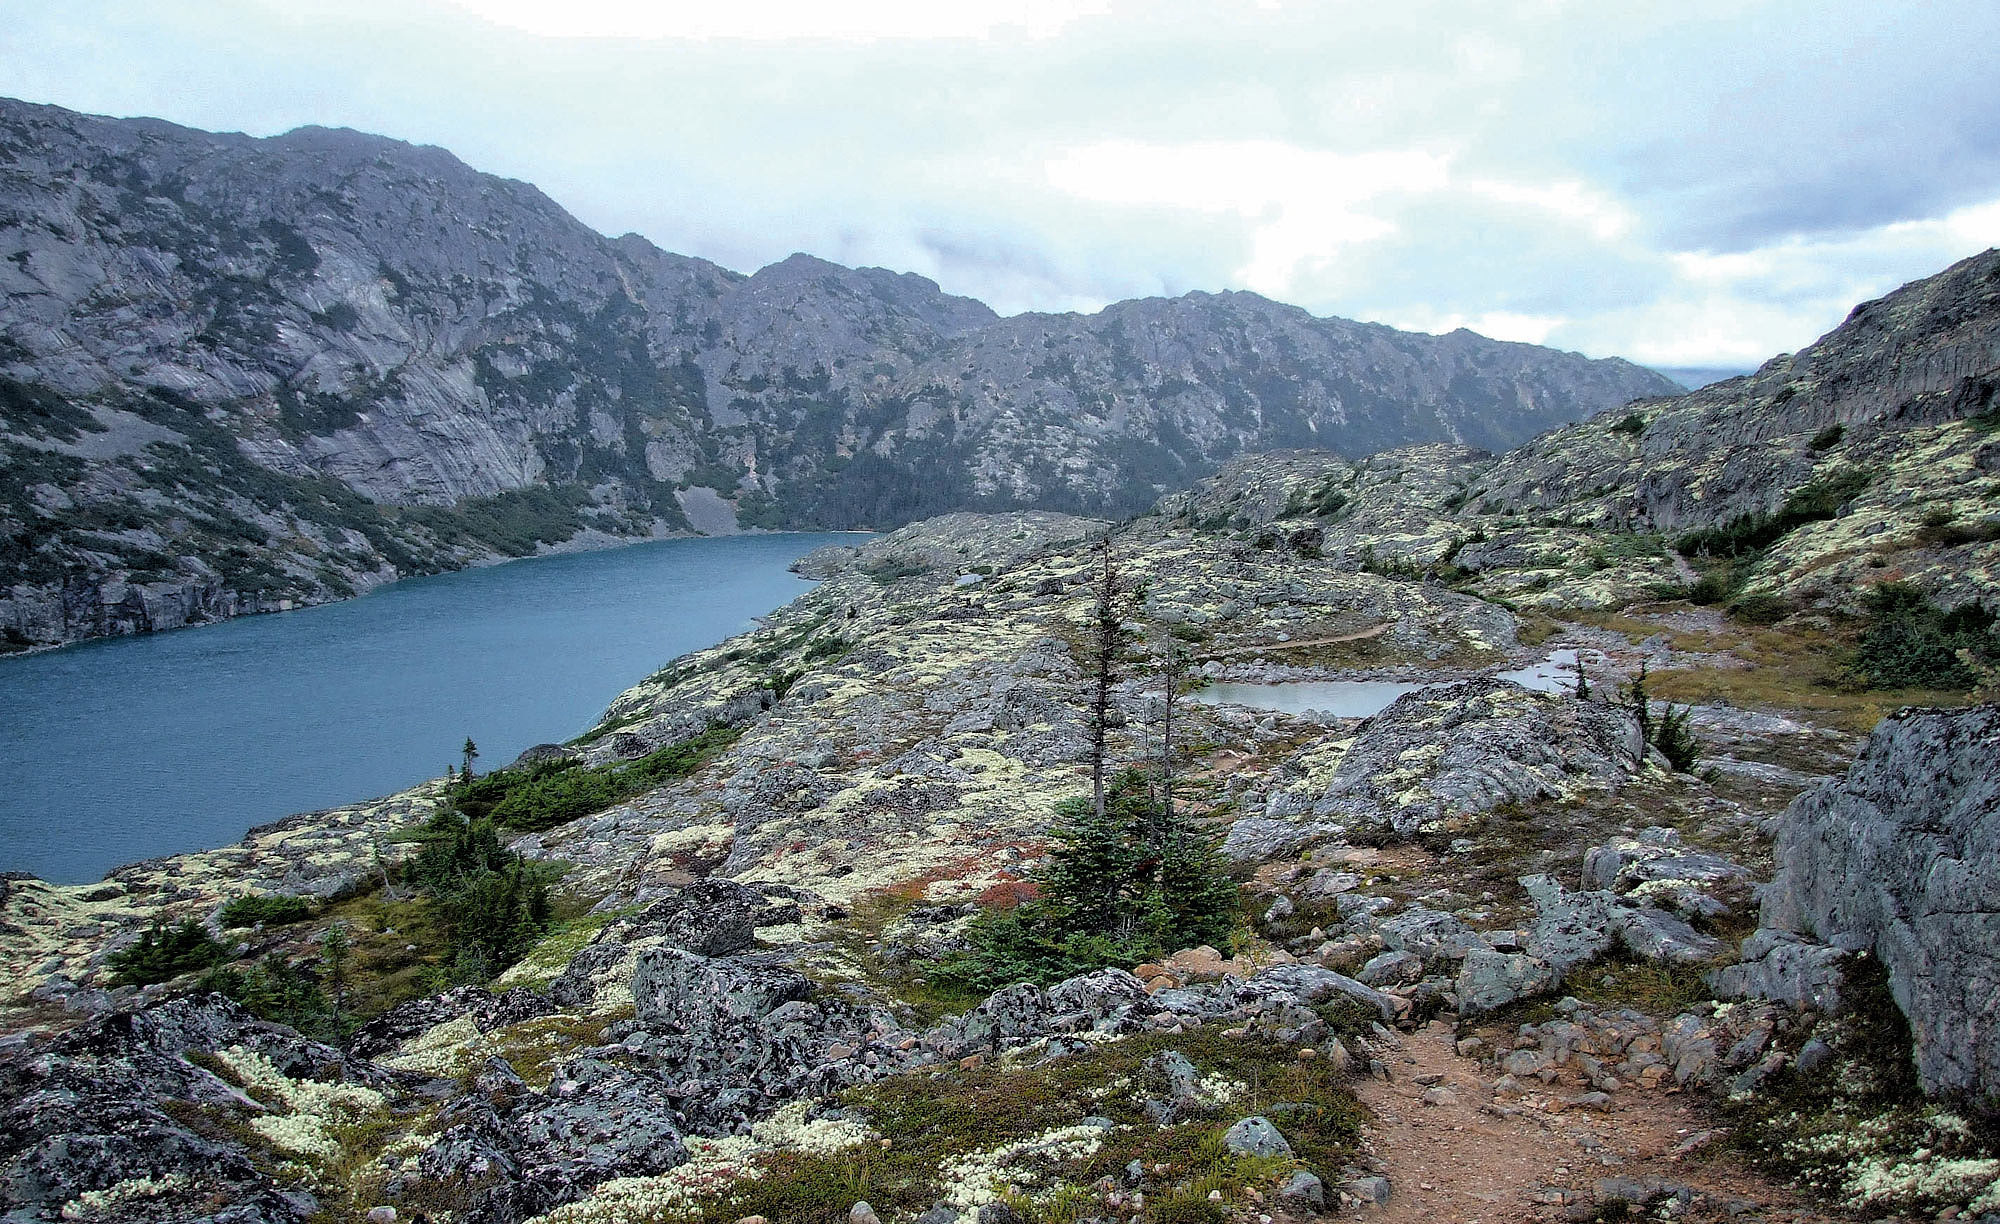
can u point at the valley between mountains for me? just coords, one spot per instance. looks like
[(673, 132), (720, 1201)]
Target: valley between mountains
[(1707, 933)]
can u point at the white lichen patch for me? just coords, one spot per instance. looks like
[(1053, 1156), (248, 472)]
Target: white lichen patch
[(444, 1050), (712, 1165), (974, 1180), (793, 1128), (1878, 1182), (114, 1201), (306, 1114)]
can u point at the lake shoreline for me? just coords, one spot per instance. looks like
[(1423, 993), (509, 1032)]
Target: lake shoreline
[(200, 737)]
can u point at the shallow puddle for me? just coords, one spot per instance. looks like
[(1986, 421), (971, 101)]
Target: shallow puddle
[(1361, 698)]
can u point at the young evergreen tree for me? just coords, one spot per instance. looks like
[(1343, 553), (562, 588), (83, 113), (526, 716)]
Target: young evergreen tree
[(1173, 673), (1107, 634), (1642, 705), (1123, 887)]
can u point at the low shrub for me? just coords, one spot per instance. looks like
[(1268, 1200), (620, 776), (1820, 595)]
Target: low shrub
[(271, 909), (1761, 608), (280, 992), (1910, 643), (1117, 889), (492, 903), (164, 952), (548, 793)]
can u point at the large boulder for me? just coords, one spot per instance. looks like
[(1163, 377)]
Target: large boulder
[(1437, 759), (1899, 858)]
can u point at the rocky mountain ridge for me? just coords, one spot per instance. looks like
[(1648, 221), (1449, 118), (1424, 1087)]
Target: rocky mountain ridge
[(241, 374)]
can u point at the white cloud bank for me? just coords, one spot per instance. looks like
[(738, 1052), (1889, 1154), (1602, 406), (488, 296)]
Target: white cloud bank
[(1706, 182)]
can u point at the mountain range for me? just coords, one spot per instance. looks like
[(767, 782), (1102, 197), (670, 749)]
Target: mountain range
[(242, 374)]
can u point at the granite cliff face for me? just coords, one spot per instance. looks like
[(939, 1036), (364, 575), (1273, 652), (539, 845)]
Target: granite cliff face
[(1897, 859), (238, 374)]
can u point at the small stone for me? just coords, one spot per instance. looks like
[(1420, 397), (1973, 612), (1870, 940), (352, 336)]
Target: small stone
[(1440, 1096), (753, 1220), (1304, 1189), (838, 1051), (1255, 1136), (1307, 1054), (1470, 1047), (1336, 1054), (971, 1062), (382, 1215), (1374, 1190), (998, 1213), (862, 1213)]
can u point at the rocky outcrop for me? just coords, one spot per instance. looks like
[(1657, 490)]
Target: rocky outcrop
[(1897, 858), (220, 357), (1436, 760), (155, 1115)]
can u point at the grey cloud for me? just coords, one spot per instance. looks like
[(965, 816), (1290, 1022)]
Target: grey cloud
[(1717, 126)]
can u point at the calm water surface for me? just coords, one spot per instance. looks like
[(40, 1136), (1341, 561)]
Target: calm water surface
[(116, 751), (1361, 698)]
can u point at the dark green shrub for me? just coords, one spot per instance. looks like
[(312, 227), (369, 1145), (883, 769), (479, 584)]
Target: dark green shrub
[(1675, 739), (827, 648), (1828, 438), (275, 909), (549, 793), (1632, 423), (1909, 643), (889, 569), (1940, 528), (278, 991), (492, 903), (165, 952)]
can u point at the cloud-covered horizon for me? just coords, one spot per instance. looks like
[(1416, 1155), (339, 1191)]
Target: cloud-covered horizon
[(1695, 184)]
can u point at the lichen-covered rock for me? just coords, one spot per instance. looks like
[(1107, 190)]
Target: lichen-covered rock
[(1785, 968), (1570, 928), (712, 917), (1899, 857), (1658, 868), (1256, 1136), (116, 1109), (1427, 934), (1436, 760), (1488, 981), (392, 1028)]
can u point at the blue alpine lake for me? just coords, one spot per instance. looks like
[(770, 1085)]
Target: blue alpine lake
[(121, 750)]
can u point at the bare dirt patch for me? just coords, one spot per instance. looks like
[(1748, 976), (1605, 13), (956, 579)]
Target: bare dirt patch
[(1463, 1156)]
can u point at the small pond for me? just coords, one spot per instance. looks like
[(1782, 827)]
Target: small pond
[(1361, 698)]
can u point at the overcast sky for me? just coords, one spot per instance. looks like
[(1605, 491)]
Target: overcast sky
[(1684, 183)]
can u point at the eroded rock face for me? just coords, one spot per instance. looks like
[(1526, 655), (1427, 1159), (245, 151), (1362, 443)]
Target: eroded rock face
[(1437, 759), (1899, 857)]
